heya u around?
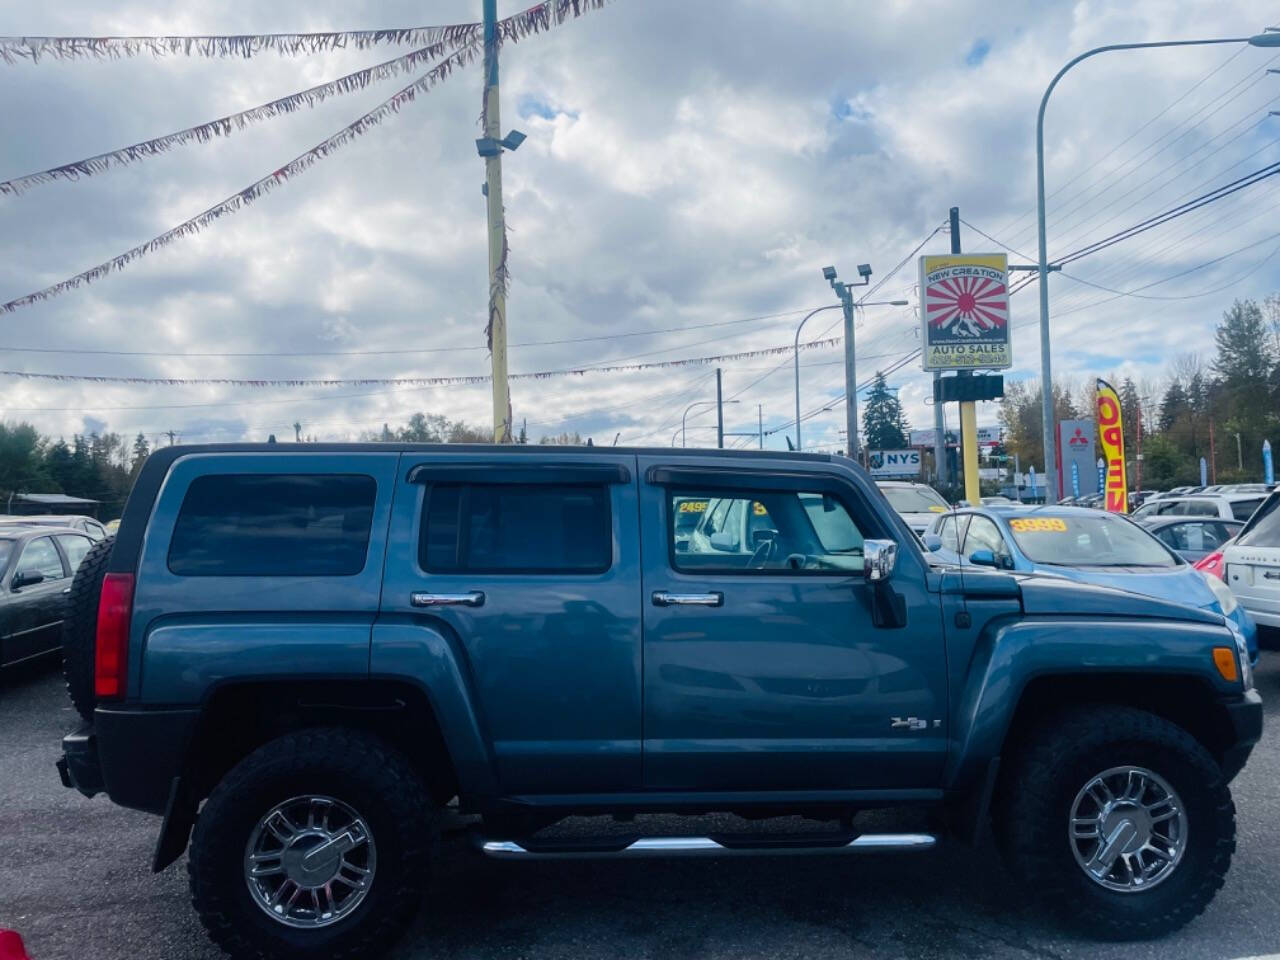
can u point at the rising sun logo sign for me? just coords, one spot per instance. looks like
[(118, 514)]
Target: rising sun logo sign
[(965, 307)]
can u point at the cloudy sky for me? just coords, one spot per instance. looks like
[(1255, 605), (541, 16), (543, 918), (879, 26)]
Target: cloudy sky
[(690, 168)]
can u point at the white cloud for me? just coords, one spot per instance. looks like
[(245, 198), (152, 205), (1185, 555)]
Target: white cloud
[(687, 164)]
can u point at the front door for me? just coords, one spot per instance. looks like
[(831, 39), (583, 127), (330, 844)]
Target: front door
[(529, 569), (763, 667), (35, 611)]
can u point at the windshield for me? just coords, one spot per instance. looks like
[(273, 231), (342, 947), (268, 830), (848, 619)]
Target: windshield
[(919, 499), (1087, 541), (1263, 530)]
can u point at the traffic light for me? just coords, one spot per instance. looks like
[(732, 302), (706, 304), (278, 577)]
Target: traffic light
[(968, 389)]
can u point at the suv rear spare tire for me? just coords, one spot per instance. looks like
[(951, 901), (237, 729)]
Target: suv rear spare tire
[(80, 626), (1117, 819)]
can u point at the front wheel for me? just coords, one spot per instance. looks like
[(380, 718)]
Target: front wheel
[(317, 845), (1118, 819)]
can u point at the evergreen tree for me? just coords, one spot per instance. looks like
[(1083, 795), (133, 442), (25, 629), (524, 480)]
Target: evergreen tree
[(884, 425)]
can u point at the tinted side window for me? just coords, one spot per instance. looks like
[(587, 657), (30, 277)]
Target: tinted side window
[(496, 528), (284, 525), (1243, 509)]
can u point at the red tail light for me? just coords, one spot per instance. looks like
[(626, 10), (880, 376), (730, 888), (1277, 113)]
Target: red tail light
[(1213, 565), (111, 651)]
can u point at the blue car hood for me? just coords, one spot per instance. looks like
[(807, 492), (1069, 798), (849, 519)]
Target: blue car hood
[(1175, 584), (1050, 595)]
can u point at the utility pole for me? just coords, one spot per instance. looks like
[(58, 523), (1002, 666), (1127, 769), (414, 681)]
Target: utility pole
[(1239, 454), (1139, 443), (297, 432), (171, 434), (1213, 458), (719, 412), (760, 421), (491, 149), (850, 375), (968, 408)]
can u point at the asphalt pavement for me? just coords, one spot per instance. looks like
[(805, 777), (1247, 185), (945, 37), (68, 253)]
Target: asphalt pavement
[(75, 881)]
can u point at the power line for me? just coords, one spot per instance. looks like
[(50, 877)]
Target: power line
[(397, 351)]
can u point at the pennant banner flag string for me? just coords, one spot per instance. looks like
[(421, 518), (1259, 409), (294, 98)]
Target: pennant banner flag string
[(421, 381), (225, 126), (238, 201), (539, 17)]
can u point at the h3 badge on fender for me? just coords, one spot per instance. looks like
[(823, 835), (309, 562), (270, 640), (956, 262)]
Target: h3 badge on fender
[(911, 723)]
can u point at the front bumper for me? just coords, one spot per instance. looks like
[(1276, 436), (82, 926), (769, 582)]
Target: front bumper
[(1245, 716)]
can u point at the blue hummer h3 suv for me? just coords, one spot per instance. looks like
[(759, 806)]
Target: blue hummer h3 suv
[(300, 655)]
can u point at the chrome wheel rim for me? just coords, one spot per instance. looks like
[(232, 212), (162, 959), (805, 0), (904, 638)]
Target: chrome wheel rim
[(1128, 829), (310, 861)]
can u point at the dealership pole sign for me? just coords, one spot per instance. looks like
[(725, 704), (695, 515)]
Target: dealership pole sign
[(964, 307), (1111, 436)]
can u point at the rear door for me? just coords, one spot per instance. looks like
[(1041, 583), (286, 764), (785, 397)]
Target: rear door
[(763, 668), (529, 569), (1253, 564)]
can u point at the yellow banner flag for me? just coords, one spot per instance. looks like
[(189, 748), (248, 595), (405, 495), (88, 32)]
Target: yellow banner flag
[(1111, 437)]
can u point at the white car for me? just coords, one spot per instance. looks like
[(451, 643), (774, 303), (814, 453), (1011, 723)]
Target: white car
[(917, 503), (1227, 506), (1251, 565)]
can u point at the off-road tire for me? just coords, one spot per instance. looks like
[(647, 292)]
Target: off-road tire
[(80, 626), (1032, 811), (350, 766)]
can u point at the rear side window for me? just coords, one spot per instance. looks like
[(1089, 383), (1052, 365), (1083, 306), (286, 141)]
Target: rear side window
[(501, 528), (1243, 509), (1264, 529), (282, 525)]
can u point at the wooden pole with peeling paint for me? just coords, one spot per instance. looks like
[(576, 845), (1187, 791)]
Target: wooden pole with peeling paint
[(497, 231)]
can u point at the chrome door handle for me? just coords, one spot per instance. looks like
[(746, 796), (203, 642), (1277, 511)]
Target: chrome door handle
[(662, 598), (473, 598)]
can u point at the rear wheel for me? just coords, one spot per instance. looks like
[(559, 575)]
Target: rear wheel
[(316, 845), (80, 626), (1118, 820)]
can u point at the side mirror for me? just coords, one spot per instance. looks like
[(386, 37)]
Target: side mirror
[(983, 558), (878, 560), (763, 536), (724, 542), (27, 578), (932, 542)]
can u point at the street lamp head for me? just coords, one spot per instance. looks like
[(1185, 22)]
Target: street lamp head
[(899, 303), (828, 273), (1269, 39), (864, 270)]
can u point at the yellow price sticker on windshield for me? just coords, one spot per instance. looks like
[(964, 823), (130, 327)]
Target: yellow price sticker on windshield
[(758, 509), (937, 509), (693, 506), (1038, 525)]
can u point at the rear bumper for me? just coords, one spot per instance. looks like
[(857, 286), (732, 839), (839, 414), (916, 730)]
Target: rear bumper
[(131, 753), (1245, 715)]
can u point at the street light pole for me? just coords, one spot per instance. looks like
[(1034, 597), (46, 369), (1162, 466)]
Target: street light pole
[(1268, 39), (684, 417), (832, 306)]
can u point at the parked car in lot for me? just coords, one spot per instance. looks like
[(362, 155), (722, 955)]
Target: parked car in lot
[(86, 525), (1087, 546), (917, 503), (302, 653), (36, 565), (1251, 566), (1229, 506), (1193, 538)]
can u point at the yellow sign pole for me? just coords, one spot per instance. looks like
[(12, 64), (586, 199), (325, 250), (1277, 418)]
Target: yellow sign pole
[(969, 442), (497, 233)]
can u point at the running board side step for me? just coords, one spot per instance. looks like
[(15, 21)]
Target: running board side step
[(631, 848)]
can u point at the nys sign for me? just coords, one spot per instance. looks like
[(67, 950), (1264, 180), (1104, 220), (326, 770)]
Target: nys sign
[(894, 463), (964, 307)]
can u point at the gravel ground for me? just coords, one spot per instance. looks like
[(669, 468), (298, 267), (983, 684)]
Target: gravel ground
[(75, 881)]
